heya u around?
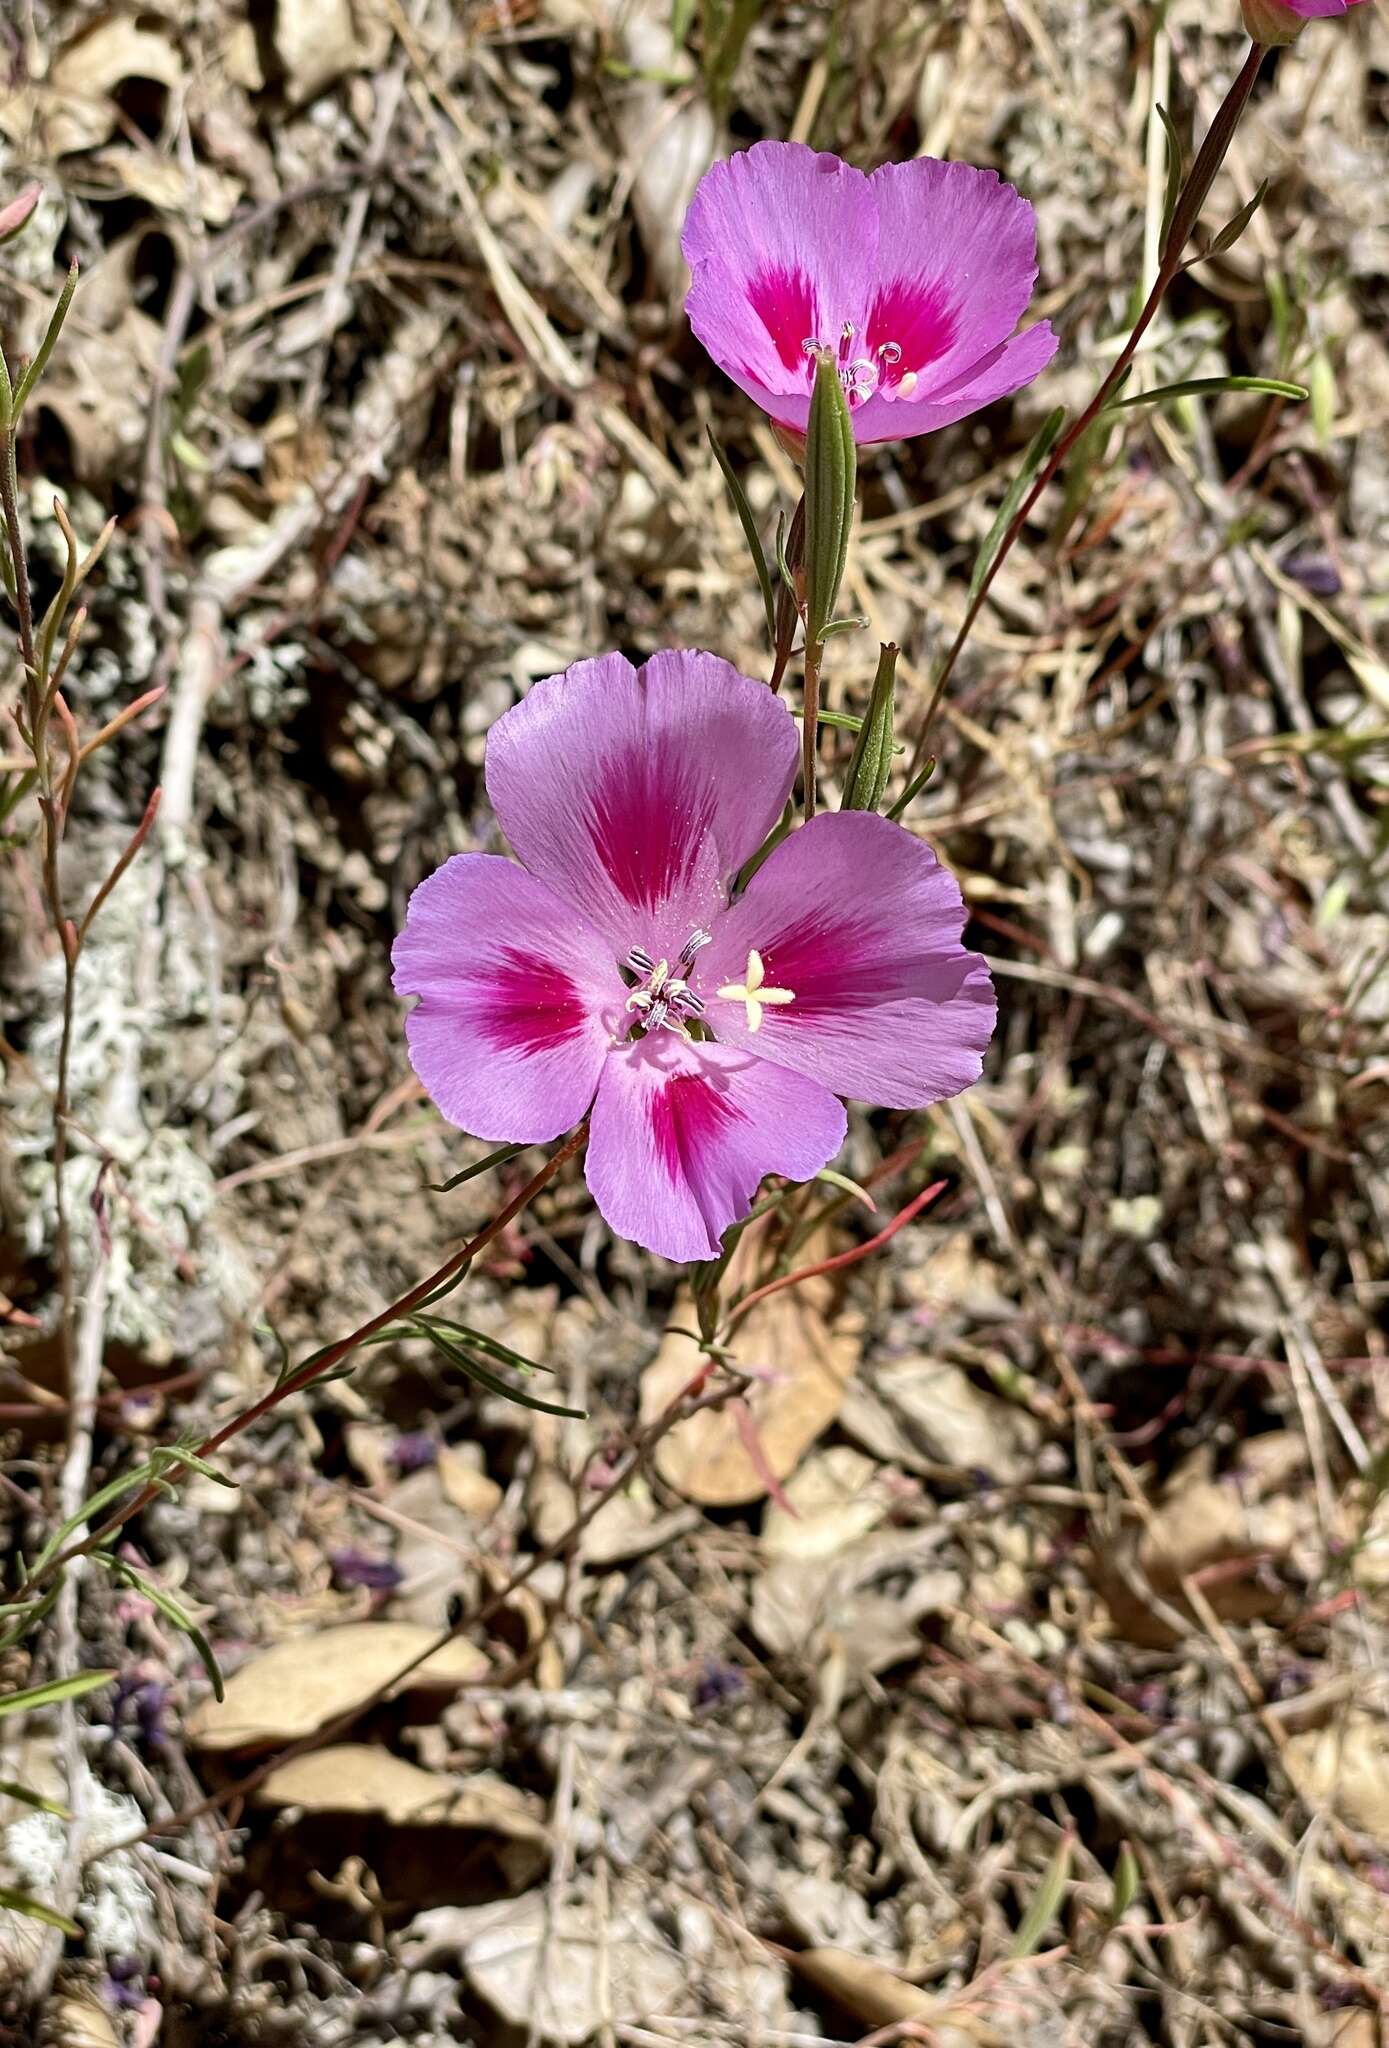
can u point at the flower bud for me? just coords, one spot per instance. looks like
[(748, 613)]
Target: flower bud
[(14, 216), (1275, 23)]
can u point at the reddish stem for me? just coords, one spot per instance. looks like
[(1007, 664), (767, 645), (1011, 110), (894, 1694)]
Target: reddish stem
[(321, 1363), (841, 1259), (1208, 161)]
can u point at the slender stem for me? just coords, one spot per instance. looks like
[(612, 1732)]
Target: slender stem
[(322, 1362), (35, 690), (1193, 197), (810, 723), (840, 1259), (23, 604)]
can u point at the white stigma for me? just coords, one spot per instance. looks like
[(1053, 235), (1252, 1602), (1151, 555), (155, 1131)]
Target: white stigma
[(753, 991)]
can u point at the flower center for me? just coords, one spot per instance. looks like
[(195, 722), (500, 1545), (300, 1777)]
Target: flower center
[(861, 375), (753, 991), (663, 998)]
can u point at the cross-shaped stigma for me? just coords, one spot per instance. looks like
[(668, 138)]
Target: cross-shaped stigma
[(753, 991)]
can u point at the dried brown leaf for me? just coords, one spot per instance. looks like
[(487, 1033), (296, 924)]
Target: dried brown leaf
[(301, 1685)]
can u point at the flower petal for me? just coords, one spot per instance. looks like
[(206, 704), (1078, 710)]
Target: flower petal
[(683, 1133), (519, 1000), (637, 795), (859, 921), (957, 260), (890, 417), (781, 244)]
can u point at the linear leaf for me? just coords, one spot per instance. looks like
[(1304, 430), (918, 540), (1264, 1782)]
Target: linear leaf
[(750, 534), (34, 1909), (1038, 450), (466, 1361), (1046, 1902), (30, 1615), (56, 1689), (178, 1615), (1175, 168), (9, 1790), (497, 1158), (1208, 387)]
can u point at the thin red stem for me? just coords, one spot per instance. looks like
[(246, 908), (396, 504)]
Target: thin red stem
[(322, 1362), (842, 1259), (1208, 161)]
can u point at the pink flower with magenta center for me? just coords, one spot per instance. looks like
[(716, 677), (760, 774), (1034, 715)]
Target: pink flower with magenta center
[(1278, 22), (915, 276), (711, 1034)]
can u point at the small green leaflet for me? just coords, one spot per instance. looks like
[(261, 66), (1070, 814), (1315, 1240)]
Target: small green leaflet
[(56, 1689), (1043, 441), (1208, 387)]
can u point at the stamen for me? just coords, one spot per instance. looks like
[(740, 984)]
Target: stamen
[(890, 351), (692, 945), (665, 998)]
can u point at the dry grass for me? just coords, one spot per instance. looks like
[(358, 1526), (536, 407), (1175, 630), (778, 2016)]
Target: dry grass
[(380, 358)]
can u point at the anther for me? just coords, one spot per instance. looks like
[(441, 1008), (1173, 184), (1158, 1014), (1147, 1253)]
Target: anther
[(890, 352), (640, 960)]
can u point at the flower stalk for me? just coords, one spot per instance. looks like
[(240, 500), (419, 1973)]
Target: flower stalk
[(1191, 198)]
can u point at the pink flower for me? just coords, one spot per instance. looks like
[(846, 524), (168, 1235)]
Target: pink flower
[(1276, 22), (916, 275), (710, 1034)]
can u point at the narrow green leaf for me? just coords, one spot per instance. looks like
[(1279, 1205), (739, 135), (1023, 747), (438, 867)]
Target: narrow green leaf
[(498, 1158), (790, 555), (167, 1456), (33, 1909), (1321, 379), (467, 1362), (1047, 1901), (1208, 387), (1040, 446), (750, 534), (478, 1340), (173, 1611), (855, 623), (1175, 170), (9, 1790), (872, 757), (46, 346), (185, 451), (1126, 1882), (30, 1615), (846, 1186), (845, 721), (913, 788), (831, 468), (56, 1689), (194, 369), (1235, 227)]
